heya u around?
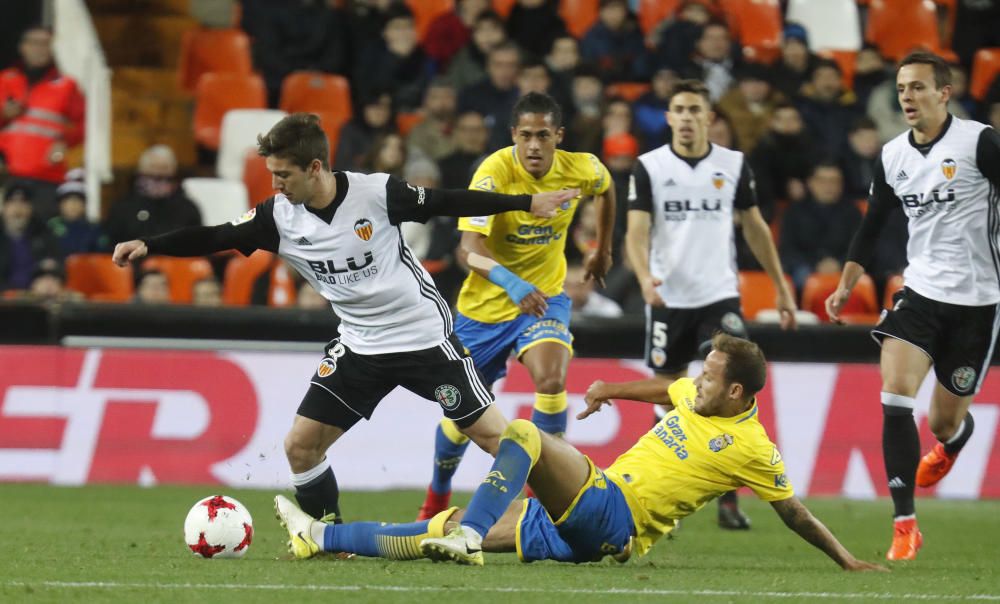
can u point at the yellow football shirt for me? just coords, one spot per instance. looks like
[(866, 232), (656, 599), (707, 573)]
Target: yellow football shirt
[(687, 460), (532, 248)]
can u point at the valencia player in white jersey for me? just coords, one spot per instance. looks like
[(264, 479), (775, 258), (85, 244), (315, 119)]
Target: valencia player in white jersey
[(340, 231), (683, 199), (945, 174)]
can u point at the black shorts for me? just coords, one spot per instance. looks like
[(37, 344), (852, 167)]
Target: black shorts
[(348, 386), (958, 339), (675, 336)]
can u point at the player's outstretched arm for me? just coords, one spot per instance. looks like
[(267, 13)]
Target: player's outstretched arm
[(651, 390), (188, 242), (598, 262), (848, 279), (637, 250), (758, 236), (798, 518)]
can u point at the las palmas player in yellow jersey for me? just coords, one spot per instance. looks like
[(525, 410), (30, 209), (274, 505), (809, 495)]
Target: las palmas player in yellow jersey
[(513, 298), (710, 442)]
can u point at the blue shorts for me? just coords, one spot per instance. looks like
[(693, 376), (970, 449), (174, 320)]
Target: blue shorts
[(598, 523), (489, 344)]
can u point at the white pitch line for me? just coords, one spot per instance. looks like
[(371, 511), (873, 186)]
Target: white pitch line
[(452, 589)]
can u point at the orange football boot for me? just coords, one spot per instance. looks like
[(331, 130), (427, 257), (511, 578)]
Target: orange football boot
[(906, 540), (934, 466)]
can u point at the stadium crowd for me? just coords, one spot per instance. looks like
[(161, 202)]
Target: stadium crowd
[(432, 99)]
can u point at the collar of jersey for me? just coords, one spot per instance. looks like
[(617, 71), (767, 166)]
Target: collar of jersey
[(691, 161), (326, 214), (742, 417), (523, 173), (926, 147)]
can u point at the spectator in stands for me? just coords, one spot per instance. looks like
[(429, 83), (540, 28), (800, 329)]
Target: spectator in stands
[(650, 110), (396, 62), (206, 292), (619, 153), (156, 204), (306, 35), (975, 27), (562, 60), (432, 136), (468, 67), (585, 300), (366, 19), (792, 71), (24, 241), (152, 287), (75, 234), (41, 116), (993, 114), (584, 128), (749, 104), (961, 104), (816, 232), (48, 285), (388, 155), (310, 299), (376, 118), (534, 25), (534, 77), (863, 147), (713, 61), (451, 31), (870, 70), (782, 160), (615, 44), (884, 109), (722, 133), (677, 39), (827, 109), (470, 137), (494, 97)]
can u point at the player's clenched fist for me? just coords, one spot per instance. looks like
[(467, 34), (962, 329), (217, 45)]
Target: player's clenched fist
[(129, 251)]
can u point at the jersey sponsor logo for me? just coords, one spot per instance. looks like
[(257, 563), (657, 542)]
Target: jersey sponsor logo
[(901, 176), (533, 235), (918, 204), (363, 228), (781, 481), (685, 209), (733, 324), (421, 194), (963, 378), (949, 168), (658, 356), (343, 272), (671, 434), (246, 217), (718, 179), (670, 183), (479, 221), (485, 184), (720, 442), (775, 456), (303, 241), (326, 368), (449, 396)]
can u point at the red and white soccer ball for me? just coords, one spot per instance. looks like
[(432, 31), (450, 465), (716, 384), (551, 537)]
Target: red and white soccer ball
[(218, 527)]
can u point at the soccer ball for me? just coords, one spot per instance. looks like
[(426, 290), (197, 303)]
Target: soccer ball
[(218, 527)]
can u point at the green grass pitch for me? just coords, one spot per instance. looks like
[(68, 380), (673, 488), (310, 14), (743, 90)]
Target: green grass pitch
[(125, 544)]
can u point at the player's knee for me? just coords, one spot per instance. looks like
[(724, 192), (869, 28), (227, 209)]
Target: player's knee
[(525, 434), (551, 384), (903, 385), (301, 455)]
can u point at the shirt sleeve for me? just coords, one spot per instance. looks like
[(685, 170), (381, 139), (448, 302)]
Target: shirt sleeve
[(881, 201), (640, 191), (746, 188), (988, 156), (254, 230), (602, 177), (765, 475), (408, 203), (486, 178)]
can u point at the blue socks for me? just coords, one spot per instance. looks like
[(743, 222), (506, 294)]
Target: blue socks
[(549, 413), (449, 447)]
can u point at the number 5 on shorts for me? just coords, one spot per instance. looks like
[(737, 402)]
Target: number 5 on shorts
[(659, 335)]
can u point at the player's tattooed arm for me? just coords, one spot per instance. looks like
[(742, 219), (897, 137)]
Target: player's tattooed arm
[(600, 393), (798, 518)]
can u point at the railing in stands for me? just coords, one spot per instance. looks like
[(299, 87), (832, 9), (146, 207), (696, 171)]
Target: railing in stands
[(79, 54)]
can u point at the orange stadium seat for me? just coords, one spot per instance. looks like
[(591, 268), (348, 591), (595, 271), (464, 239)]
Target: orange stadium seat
[(579, 15), (331, 125), (899, 26), (212, 50), (313, 91), (503, 7), (985, 69), (182, 274), (652, 12), (97, 278), (757, 24), (282, 290), (893, 285), (241, 273), (257, 178), (406, 121), (425, 11), (845, 59), (757, 293), (629, 91), (819, 286), (216, 94)]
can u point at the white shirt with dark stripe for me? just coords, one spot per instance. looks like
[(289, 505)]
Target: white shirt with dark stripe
[(953, 211), (357, 259)]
